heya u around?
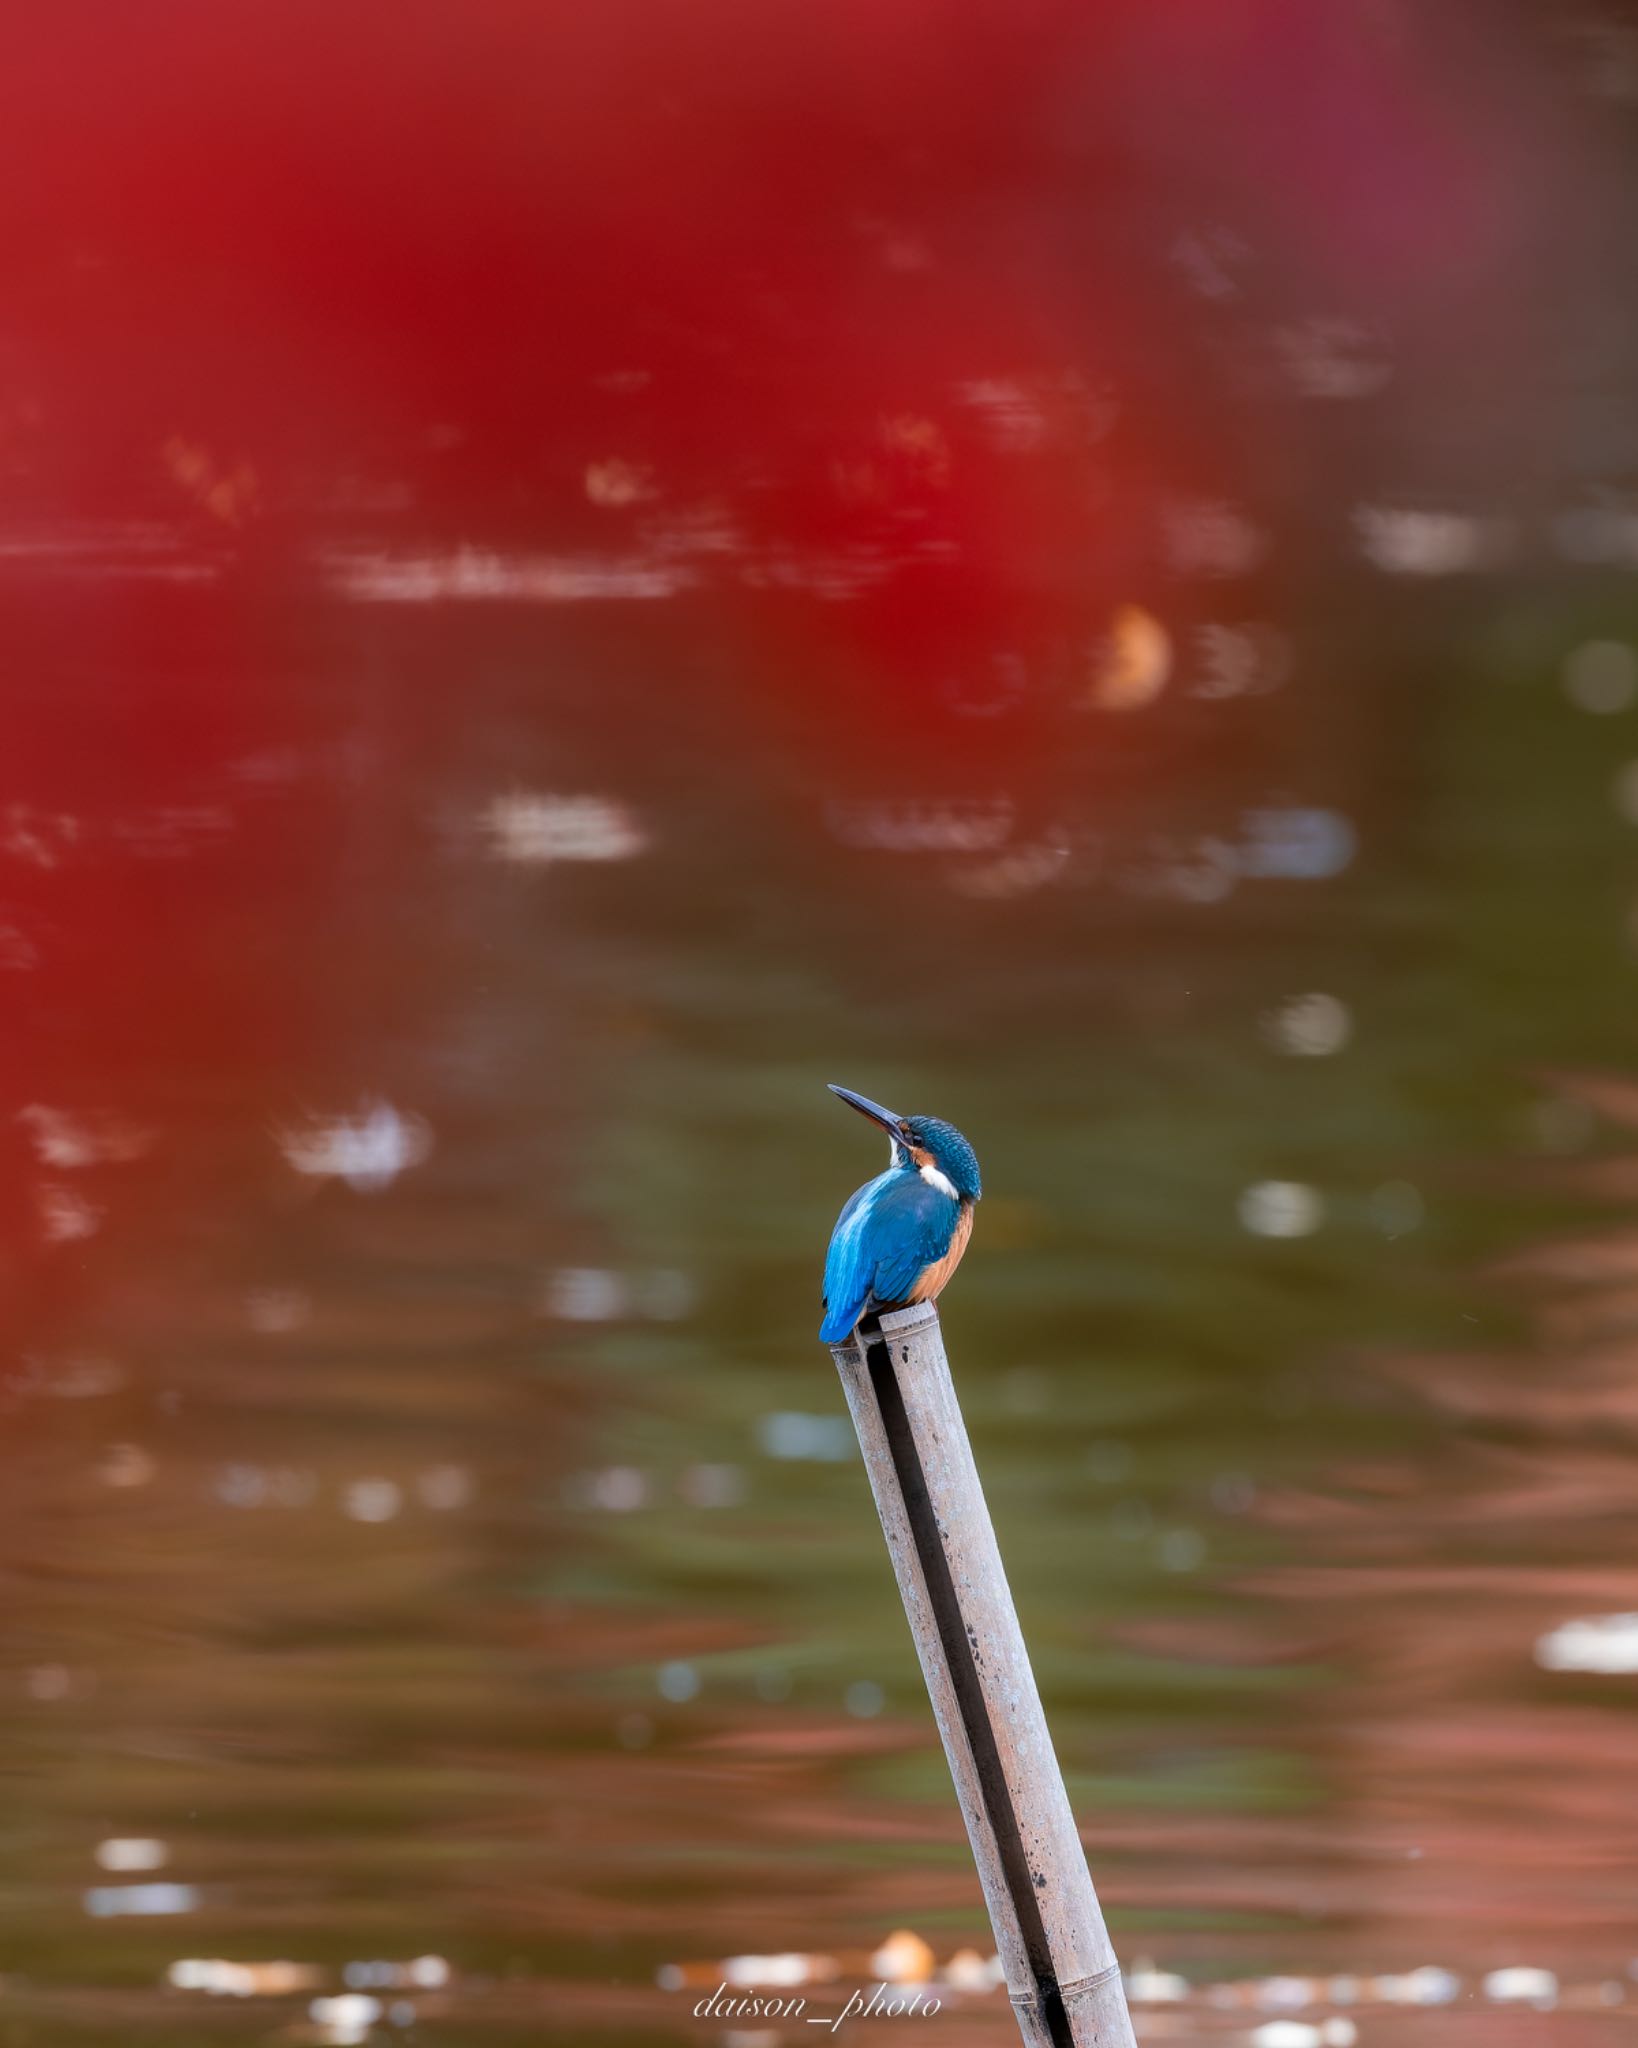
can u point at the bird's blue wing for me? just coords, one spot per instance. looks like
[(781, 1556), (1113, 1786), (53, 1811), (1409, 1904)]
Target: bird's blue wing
[(910, 1226), (848, 1266), (885, 1238)]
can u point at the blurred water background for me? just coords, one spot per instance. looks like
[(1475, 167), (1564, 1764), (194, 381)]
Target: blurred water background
[(564, 583)]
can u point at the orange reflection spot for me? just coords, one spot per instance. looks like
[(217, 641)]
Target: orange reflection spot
[(1133, 664)]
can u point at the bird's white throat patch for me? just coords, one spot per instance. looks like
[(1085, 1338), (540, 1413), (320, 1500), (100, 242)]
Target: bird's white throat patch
[(941, 1181)]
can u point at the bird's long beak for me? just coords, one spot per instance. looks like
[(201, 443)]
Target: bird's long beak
[(863, 1104)]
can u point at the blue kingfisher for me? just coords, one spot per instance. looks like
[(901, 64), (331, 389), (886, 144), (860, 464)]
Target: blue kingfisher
[(901, 1236)]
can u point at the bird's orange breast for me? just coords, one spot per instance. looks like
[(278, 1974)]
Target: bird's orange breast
[(936, 1277)]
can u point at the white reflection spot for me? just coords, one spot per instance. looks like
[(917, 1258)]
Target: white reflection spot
[(1281, 1208), (615, 484), (1397, 1208), (115, 1901), (346, 2019), (444, 1488), (677, 1681), (535, 829), (131, 1852), (67, 1141), (126, 1465), (903, 1958), (367, 1151), (1522, 1985), (864, 1699), (65, 1217), (481, 575), (275, 1310), (1334, 358), (618, 1489), (1309, 1026), (373, 1500), (1213, 538), (788, 1433), (1296, 844), (1145, 1985), (713, 1486), (1409, 541), (1592, 1642), (1601, 676), (1182, 1550)]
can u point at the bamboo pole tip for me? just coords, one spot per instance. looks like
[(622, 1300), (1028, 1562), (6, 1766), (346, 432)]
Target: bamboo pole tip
[(893, 1322)]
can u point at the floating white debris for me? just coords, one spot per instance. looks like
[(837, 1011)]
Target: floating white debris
[(1408, 541), (1211, 537), (367, 1151), (126, 1465), (903, 1958), (615, 483), (1606, 1643), (1145, 1985), (1522, 1985), (1248, 660), (769, 1972), (1017, 872), (221, 1979), (1338, 2032), (788, 1433), (116, 1901), (1310, 1026), (1397, 1208), (617, 1489), (1429, 1985), (1601, 676), (1295, 843), (372, 1500), (65, 1140), (131, 1852), (677, 1681), (1286, 2034), (535, 829), (431, 1973), (65, 1216), (1181, 1550), (275, 1310), (1281, 1208), (444, 1488), (1287, 1994), (346, 2018), (712, 1486), (477, 575), (80, 1376), (1332, 357), (926, 825), (585, 1294), (864, 1699), (967, 1970)]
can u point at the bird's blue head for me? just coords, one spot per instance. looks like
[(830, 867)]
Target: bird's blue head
[(927, 1144)]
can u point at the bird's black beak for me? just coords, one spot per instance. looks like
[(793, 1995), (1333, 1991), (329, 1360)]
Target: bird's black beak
[(863, 1104)]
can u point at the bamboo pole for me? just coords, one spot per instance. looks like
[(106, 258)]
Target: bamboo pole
[(1061, 1970)]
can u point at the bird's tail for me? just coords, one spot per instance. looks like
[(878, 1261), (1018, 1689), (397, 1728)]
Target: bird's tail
[(838, 1324)]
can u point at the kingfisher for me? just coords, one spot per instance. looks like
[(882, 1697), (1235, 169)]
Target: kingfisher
[(900, 1236)]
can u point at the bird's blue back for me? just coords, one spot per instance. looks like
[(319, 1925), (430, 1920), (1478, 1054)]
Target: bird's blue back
[(889, 1232)]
